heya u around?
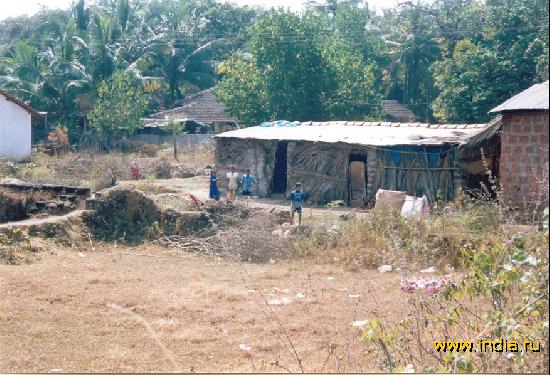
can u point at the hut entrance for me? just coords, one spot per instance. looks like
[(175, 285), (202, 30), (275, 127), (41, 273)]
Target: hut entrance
[(279, 173), (357, 181)]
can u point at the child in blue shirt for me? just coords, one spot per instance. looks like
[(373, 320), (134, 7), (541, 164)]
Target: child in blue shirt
[(247, 181), (296, 198)]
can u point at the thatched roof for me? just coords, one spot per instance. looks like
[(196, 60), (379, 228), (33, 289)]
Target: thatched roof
[(396, 111), (202, 107), (362, 133)]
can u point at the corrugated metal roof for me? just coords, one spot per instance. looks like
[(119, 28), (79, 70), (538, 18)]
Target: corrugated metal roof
[(202, 107), (534, 98), (363, 133)]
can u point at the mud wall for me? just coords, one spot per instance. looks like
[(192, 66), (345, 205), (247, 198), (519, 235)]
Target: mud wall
[(257, 155)]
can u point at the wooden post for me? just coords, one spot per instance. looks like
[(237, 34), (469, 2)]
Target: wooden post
[(175, 141)]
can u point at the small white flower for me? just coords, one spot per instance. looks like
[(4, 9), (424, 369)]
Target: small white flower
[(532, 260), (507, 267)]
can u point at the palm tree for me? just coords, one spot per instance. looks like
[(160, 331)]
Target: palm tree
[(47, 80), (412, 51)]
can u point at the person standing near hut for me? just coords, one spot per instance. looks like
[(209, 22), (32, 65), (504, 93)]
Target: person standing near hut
[(214, 191), (247, 181), (232, 183), (296, 199)]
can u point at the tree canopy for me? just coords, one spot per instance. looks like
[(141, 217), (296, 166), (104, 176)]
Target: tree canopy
[(447, 60)]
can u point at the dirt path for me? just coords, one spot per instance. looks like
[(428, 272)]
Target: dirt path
[(199, 187), (42, 220), (163, 310)]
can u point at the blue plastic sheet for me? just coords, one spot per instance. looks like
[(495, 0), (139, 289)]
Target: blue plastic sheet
[(433, 153), (280, 124)]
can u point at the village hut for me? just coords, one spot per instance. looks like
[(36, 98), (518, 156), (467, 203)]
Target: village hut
[(394, 111), (16, 119), (523, 167), (195, 111), (350, 160)]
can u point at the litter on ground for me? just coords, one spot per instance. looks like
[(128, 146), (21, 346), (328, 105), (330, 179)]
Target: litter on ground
[(385, 268), (359, 323), (282, 301), (428, 270), (449, 268), (430, 286), (245, 347)]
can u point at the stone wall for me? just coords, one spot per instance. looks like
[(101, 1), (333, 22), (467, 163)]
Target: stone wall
[(524, 158), (259, 156)]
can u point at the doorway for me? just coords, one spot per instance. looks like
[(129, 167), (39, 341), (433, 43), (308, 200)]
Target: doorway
[(357, 180), (279, 174)]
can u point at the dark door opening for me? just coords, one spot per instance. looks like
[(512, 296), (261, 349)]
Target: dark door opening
[(279, 174), (357, 181)]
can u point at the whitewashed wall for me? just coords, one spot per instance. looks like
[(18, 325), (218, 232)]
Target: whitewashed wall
[(15, 131)]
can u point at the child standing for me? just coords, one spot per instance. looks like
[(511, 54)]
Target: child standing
[(214, 191), (232, 183), (247, 181), (296, 198)]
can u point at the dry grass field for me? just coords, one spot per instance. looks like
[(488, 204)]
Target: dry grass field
[(81, 295), (164, 310)]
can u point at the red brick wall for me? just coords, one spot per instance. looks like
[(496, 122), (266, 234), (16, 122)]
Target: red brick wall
[(524, 158)]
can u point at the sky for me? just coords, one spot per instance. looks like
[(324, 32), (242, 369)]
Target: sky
[(14, 8)]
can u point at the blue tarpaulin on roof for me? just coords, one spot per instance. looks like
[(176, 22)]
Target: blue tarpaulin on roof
[(280, 124), (433, 153)]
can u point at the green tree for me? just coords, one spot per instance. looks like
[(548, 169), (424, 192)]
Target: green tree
[(351, 91), (510, 56), (242, 89), (120, 106), (466, 83), (297, 71)]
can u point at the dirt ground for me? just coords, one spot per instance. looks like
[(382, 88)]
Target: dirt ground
[(199, 187), (111, 308), (116, 309)]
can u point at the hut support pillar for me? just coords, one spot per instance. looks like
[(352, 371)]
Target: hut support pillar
[(372, 162)]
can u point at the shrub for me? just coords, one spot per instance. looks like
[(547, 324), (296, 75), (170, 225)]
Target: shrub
[(59, 138), (123, 213), (504, 295), (120, 106), (12, 206), (15, 246), (163, 169), (149, 149)]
